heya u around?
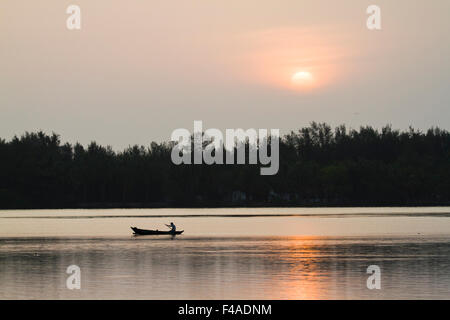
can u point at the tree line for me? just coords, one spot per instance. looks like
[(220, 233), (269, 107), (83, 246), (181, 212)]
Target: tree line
[(319, 166)]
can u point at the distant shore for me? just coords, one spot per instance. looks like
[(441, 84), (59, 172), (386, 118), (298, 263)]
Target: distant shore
[(239, 205), (319, 167)]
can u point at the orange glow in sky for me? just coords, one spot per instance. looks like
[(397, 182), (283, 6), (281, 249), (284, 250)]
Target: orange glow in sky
[(295, 59)]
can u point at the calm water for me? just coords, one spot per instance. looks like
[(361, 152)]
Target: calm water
[(227, 253)]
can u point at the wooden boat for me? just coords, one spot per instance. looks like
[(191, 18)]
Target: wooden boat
[(154, 232)]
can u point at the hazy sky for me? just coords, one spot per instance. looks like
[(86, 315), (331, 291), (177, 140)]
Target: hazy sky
[(137, 69)]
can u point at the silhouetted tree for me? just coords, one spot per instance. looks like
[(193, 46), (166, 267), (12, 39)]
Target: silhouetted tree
[(318, 166)]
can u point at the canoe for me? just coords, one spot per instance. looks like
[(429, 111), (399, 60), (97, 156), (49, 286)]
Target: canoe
[(154, 232)]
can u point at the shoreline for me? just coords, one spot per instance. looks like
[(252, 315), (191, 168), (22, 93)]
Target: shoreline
[(234, 206)]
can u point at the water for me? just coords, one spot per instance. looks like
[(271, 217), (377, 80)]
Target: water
[(227, 253)]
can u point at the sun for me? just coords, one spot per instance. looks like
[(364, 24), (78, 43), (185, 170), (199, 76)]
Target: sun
[(303, 78)]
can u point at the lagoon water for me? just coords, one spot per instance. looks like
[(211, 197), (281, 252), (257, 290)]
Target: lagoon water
[(264, 253)]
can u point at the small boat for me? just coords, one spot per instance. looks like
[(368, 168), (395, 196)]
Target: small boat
[(154, 232)]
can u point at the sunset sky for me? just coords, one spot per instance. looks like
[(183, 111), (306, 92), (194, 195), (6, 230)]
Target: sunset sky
[(137, 70)]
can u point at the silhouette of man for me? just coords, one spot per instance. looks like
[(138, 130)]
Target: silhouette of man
[(172, 227)]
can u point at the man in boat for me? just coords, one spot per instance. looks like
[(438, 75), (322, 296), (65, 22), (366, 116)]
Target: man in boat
[(172, 227)]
